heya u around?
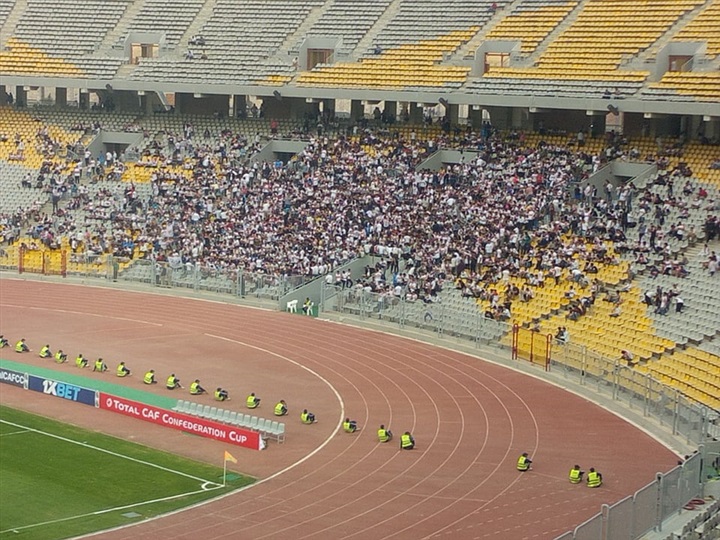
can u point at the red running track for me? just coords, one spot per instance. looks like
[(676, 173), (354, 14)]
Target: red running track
[(471, 419)]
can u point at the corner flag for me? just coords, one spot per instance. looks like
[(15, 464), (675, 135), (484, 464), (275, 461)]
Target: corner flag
[(230, 457)]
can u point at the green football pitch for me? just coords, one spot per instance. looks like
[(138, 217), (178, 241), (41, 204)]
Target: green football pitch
[(59, 481)]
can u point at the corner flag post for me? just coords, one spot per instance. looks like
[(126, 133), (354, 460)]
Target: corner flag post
[(228, 457)]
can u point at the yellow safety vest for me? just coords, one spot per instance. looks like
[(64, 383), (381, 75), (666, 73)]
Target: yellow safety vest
[(251, 402), (45, 352), (593, 479), (99, 366), (280, 409), (574, 476), (194, 388), (406, 441), (121, 371), (522, 464), (218, 395), (19, 346), (59, 357), (171, 382), (149, 378), (80, 361), (383, 435), (305, 418), (347, 426)]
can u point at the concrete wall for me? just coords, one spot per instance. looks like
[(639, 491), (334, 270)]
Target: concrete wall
[(271, 151)]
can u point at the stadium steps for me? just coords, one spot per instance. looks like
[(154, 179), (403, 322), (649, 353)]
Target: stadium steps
[(365, 44), (201, 18), (292, 43), (467, 51), (115, 36), (552, 36), (12, 21), (650, 56)]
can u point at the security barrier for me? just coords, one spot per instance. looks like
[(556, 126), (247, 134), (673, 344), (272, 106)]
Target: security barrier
[(645, 510)]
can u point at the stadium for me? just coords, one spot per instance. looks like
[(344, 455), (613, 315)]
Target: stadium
[(493, 225)]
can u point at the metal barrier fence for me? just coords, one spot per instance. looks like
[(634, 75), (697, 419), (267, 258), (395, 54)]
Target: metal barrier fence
[(445, 317), (645, 510), (155, 273)]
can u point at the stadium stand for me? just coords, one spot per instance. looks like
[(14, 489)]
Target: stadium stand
[(349, 20), (234, 49), (5, 9), (583, 59), (531, 21), (703, 27), (171, 20), (701, 86), (62, 45)]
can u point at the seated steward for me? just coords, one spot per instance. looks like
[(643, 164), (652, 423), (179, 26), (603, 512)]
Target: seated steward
[(281, 408), (307, 417), (252, 401), (407, 442), (384, 435)]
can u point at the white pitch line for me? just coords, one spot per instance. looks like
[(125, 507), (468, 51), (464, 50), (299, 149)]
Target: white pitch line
[(14, 433), (123, 456), (114, 317), (108, 510)]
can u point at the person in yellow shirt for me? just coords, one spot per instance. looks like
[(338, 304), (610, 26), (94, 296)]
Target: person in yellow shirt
[(80, 361), (350, 426), (307, 417), (122, 370), (60, 357), (221, 394), (252, 401), (384, 435), (281, 408), (149, 377), (100, 366), (576, 475), (45, 352), (407, 442), (172, 382), (594, 478), (523, 462), (3, 342), (196, 389), (21, 346)]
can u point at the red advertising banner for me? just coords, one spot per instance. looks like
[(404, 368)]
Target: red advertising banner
[(182, 422)]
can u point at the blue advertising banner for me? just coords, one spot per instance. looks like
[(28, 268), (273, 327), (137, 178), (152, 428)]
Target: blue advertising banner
[(15, 378), (62, 390)]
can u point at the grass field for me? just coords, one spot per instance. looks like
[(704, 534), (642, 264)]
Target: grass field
[(58, 481)]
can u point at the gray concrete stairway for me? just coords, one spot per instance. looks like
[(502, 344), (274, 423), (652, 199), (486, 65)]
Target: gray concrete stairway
[(8, 29), (467, 51), (111, 44), (365, 44), (640, 61), (195, 29)]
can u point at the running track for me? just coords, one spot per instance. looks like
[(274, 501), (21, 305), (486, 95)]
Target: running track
[(471, 419)]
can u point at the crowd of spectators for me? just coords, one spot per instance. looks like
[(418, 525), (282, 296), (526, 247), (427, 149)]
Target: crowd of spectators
[(508, 210)]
